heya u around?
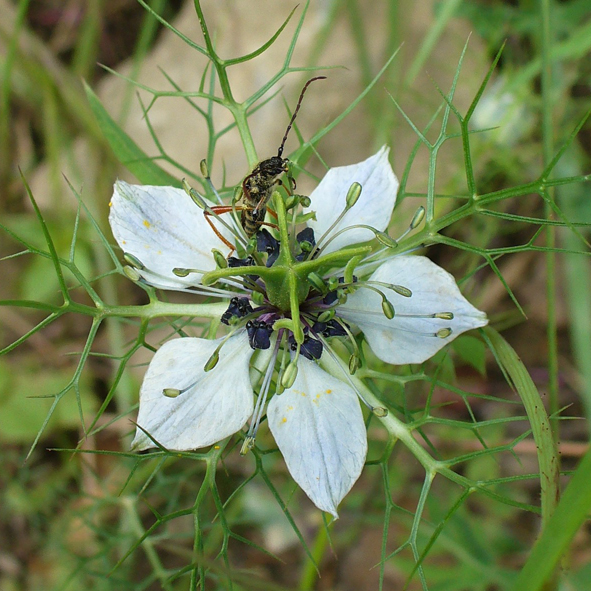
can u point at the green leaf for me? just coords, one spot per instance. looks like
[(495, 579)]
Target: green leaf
[(472, 351), (518, 376), (23, 414), (126, 150), (569, 516)]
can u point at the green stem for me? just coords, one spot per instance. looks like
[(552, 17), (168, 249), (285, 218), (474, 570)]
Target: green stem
[(396, 428), (198, 573), (148, 547), (158, 309), (239, 113), (154, 309), (238, 110), (548, 150), (285, 254), (540, 424), (310, 571)]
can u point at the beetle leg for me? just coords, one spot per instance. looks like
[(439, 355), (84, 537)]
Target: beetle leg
[(219, 209)]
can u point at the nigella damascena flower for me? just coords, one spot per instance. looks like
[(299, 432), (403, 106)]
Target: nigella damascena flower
[(289, 294)]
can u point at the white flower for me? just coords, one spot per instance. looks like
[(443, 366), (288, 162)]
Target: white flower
[(317, 420)]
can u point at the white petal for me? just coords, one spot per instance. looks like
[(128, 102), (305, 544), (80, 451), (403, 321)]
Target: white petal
[(374, 207), (411, 340), (164, 229), (217, 404), (319, 428)]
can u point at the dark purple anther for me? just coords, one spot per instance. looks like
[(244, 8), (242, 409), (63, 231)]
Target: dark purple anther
[(267, 243), (332, 328), (238, 308), (259, 334), (310, 348)]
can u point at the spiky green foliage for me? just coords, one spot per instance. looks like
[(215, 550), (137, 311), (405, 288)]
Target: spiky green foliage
[(441, 488)]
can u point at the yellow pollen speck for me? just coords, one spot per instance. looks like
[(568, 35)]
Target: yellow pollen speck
[(216, 447), (290, 407), (110, 204), (147, 223), (284, 420), (329, 391), (124, 242)]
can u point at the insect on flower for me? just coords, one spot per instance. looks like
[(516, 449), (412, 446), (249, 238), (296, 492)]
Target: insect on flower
[(257, 187)]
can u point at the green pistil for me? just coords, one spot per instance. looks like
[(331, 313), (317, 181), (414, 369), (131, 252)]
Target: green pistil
[(286, 282), (350, 268), (286, 257), (339, 258), (212, 277), (298, 333)]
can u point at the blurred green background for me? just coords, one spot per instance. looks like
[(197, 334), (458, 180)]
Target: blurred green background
[(64, 520)]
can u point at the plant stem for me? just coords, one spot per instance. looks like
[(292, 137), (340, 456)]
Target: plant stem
[(548, 150)]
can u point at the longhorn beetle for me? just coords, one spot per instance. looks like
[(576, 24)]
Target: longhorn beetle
[(257, 187)]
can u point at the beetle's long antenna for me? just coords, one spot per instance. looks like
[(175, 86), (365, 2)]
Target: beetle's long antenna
[(280, 151)]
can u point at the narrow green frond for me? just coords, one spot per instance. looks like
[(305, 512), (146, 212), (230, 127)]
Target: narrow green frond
[(193, 104), (570, 514), (404, 178), (283, 507), (450, 97), (262, 48), (93, 222), (126, 150), (412, 125), (163, 155), (320, 134), (295, 37), (569, 140), (558, 212), (39, 326), (540, 424), (49, 241), (437, 532), (513, 217), (166, 24), (484, 84)]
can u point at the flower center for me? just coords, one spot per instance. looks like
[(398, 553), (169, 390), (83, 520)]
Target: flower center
[(317, 316)]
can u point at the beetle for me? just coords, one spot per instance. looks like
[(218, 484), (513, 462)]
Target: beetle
[(257, 187)]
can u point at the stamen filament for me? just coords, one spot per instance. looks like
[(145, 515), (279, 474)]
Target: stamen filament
[(317, 248), (373, 261), (439, 315), (377, 410), (387, 307), (200, 201), (442, 333), (417, 218), (260, 403), (399, 289), (199, 289), (346, 229), (209, 364)]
